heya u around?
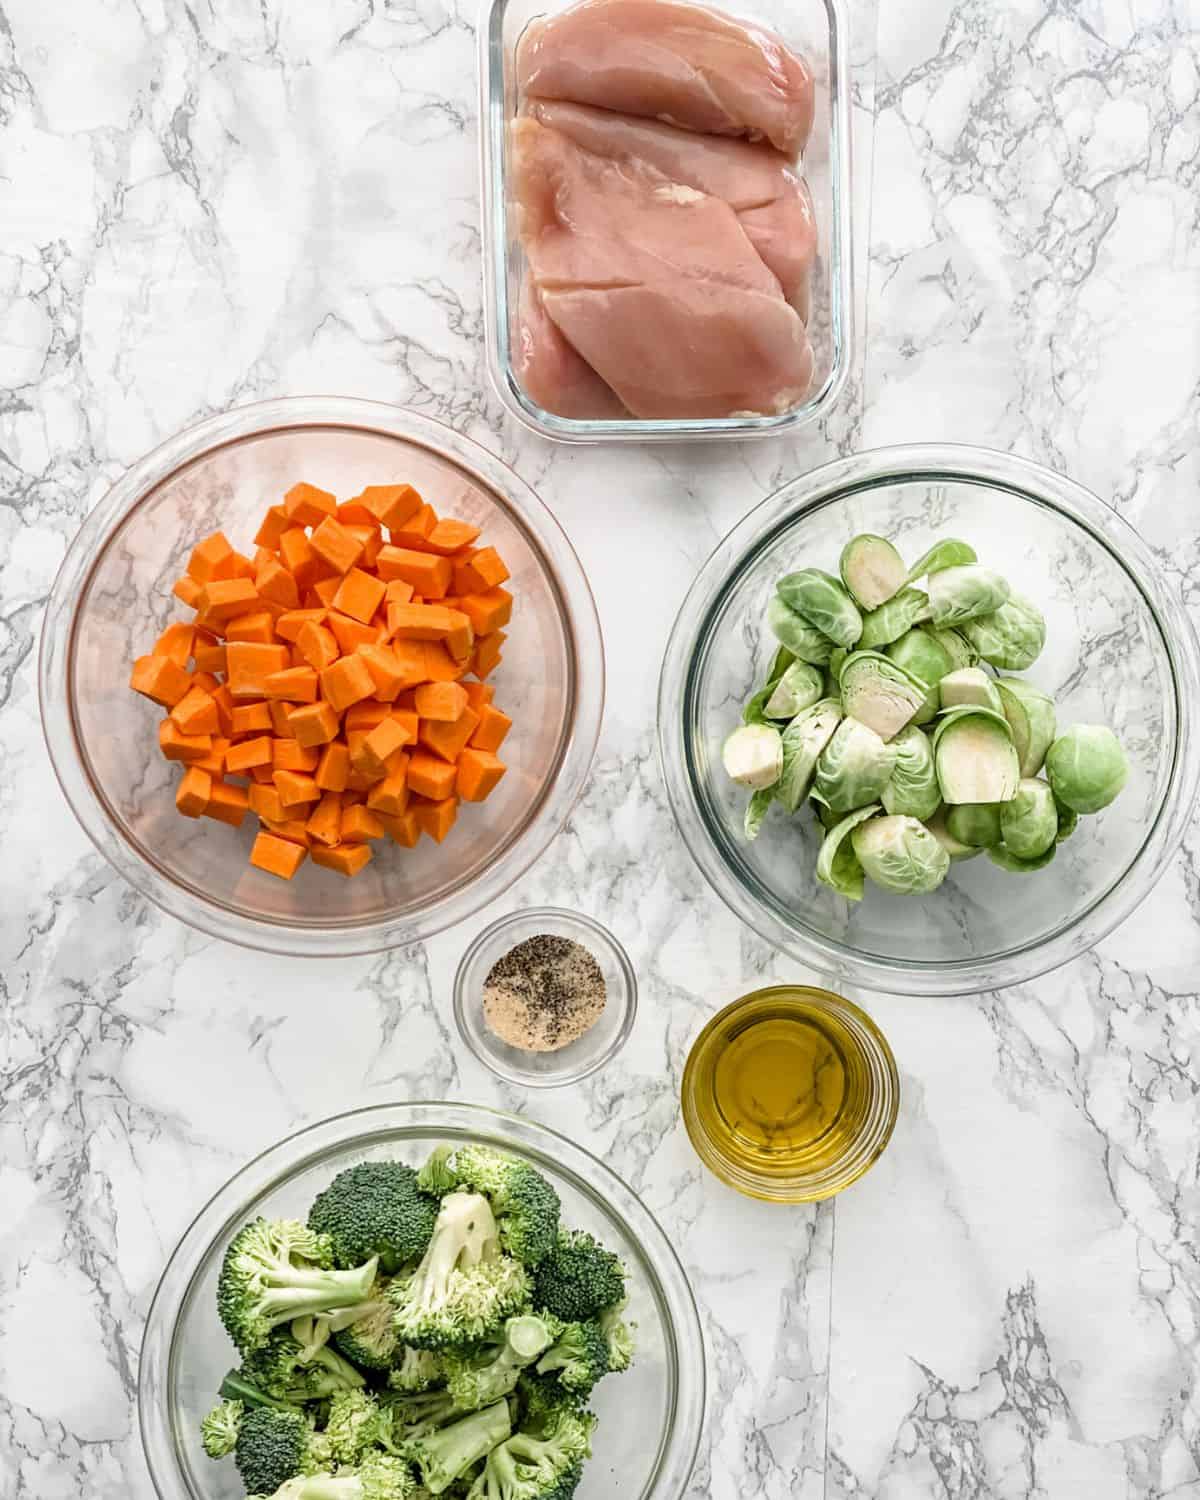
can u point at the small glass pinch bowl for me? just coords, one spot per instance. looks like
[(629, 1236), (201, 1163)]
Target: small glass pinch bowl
[(577, 1059), (1120, 650), (113, 596)]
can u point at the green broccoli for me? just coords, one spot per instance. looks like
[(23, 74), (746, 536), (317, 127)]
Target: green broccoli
[(464, 1288), (356, 1422), (379, 1477), (618, 1335), (219, 1429), (415, 1415), (274, 1445), (417, 1370), (481, 1377), (579, 1357), (525, 1204), (282, 1372), (545, 1467), (447, 1454), (436, 1177), (278, 1270), (579, 1278), (375, 1209), (371, 1341)]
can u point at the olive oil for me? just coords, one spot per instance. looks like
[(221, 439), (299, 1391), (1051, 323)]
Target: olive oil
[(790, 1094)]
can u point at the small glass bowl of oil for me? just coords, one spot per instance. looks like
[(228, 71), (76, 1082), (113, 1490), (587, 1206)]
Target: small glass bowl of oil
[(790, 1094)]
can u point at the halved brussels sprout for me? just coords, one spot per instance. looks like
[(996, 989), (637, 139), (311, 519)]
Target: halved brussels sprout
[(853, 768), (975, 758), (963, 593), (820, 599), (913, 789), (889, 622), (1007, 860), (872, 570), (756, 811), (923, 656), (838, 866), (803, 740), (1029, 823), (753, 756), (953, 847), (976, 824), (799, 688), (956, 646), (803, 640), (1011, 637), (879, 693), (1087, 767), (1030, 716), (900, 854), (945, 554), (969, 687), (754, 711)]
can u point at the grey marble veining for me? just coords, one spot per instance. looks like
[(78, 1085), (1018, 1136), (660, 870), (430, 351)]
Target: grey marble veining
[(206, 204)]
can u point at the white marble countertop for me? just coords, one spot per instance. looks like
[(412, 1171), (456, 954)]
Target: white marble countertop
[(203, 202)]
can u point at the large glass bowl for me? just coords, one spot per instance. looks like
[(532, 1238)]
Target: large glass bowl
[(1120, 650), (113, 596), (652, 1416)]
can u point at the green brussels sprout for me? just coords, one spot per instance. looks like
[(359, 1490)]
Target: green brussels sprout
[(799, 688), (838, 866), (923, 656), (803, 740), (963, 593), (756, 811), (953, 847), (974, 755), (820, 599), (956, 646), (1029, 823), (853, 768), (969, 687), (975, 823), (1011, 637), (803, 640), (753, 756), (1030, 716), (1007, 860), (913, 789), (889, 622), (879, 693), (945, 554), (1086, 767), (900, 854), (1068, 821), (872, 570), (754, 711)]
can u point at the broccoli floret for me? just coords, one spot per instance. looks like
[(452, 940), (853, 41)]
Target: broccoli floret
[(275, 1444), (371, 1341), (579, 1278), (356, 1423), (482, 1377), (379, 1477), (579, 1357), (277, 1270), (281, 1370), (447, 1454), (219, 1429), (546, 1467), (413, 1416), (525, 1204), (436, 1176), (375, 1209), (417, 1370), (464, 1288), (618, 1335)]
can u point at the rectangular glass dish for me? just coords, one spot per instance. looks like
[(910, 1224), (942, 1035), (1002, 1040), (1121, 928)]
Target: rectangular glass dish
[(815, 30)]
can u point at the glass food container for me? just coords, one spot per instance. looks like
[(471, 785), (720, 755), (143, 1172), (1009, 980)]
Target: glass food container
[(818, 33), (1120, 650)]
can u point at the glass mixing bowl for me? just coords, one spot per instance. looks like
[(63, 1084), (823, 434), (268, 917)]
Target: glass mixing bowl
[(1120, 650), (113, 596), (650, 1419)]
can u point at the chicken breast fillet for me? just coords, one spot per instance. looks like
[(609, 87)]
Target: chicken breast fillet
[(681, 64), (654, 284), (549, 369), (773, 204)]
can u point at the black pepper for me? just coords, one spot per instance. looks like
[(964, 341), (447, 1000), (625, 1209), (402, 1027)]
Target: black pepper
[(544, 994)]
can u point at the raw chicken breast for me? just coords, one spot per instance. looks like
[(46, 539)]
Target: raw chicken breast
[(550, 371), (668, 61), (773, 205), (655, 284)]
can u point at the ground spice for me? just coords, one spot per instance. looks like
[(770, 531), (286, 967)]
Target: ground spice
[(544, 994)]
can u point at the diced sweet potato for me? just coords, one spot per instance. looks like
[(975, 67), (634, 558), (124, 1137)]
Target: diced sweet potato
[(176, 642), (277, 856), (250, 664), (298, 557), (306, 505), (160, 679), (448, 740), (274, 582), (425, 572), (288, 626), (193, 793), (291, 755), (346, 859), (317, 646), (188, 590), (351, 634), (325, 821), (436, 818), (487, 653), (196, 713), (251, 718), (178, 746), (450, 536), (429, 776), (478, 773), (313, 724), (493, 726), (445, 701), (275, 523), (211, 558), (249, 753), (346, 682), (227, 804), (264, 800), (210, 655), (226, 598), (391, 504), (336, 545), (359, 595), (293, 685), (255, 625), (359, 823), (391, 794), (483, 569), (333, 769), (294, 788), (487, 612)]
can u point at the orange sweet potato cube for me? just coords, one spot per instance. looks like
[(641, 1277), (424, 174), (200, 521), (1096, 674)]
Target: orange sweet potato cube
[(385, 670), (250, 663), (227, 804), (430, 777), (212, 558), (336, 545), (436, 818), (448, 740), (193, 793), (450, 536), (414, 531), (325, 588), (274, 524), (333, 769), (346, 859), (160, 679), (445, 701), (274, 582), (277, 856), (214, 761), (306, 505), (346, 682), (493, 726), (178, 746), (325, 821), (360, 824), (479, 571), (196, 713), (251, 718), (292, 684), (294, 787), (248, 754), (423, 622), (188, 590), (487, 653), (478, 773), (398, 592), (379, 744), (390, 504), (487, 612), (298, 557), (291, 755), (313, 724), (264, 800), (281, 717), (359, 595), (176, 642), (255, 625), (390, 795), (479, 693), (365, 715), (210, 655), (289, 625), (426, 573), (372, 541), (440, 666), (226, 598), (351, 634)]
